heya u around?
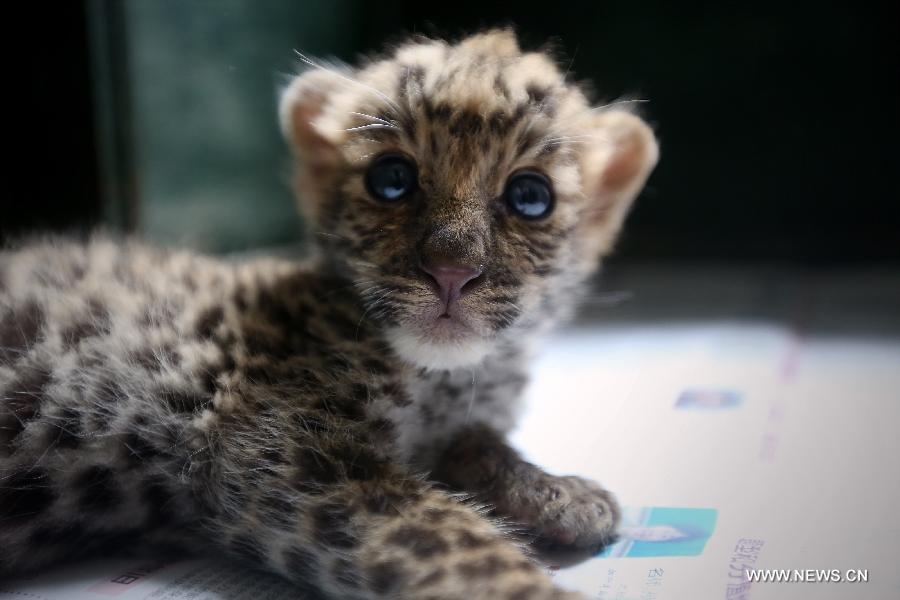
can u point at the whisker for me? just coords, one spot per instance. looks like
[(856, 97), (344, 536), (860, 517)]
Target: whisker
[(334, 235), (619, 102), (350, 80), (471, 398), (571, 62), (608, 298), (365, 157), (582, 136), (371, 126), (625, 101), (374, 118)]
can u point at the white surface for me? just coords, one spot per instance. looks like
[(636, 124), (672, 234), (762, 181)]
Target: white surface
[(807, 464)]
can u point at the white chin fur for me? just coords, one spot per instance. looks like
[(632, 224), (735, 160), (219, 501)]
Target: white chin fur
[(437, 356)]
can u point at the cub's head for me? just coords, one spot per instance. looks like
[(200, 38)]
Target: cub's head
[(466, 189)]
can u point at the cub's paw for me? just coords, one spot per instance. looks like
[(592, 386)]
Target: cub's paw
[(567, 511)]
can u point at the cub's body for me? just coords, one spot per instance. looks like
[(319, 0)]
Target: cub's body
[(319, 419)]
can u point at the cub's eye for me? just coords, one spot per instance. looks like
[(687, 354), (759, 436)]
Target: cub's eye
[(391, 177), (528, 194)]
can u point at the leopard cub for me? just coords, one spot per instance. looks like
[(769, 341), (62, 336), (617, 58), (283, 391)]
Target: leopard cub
[(322, 420)]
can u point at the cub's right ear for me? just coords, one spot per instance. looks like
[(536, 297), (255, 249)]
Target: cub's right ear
[(302, 111), (312, 136)]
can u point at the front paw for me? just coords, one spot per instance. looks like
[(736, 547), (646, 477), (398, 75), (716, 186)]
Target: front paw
[(567, 511)]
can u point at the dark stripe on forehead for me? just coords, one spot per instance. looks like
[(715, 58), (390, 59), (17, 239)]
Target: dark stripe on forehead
[(520, 112), (437, 113), (498, 123), (500, 87), (527, 139), (466, 123), (433, 143), (501, 122), (447, 78), (536, 94)]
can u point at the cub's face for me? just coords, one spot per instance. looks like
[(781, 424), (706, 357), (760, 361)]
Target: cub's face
[(466, 189)]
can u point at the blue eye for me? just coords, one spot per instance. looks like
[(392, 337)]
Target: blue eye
[(528, 194), (391, 178)]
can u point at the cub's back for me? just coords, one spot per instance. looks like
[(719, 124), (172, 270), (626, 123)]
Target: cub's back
[(105, 354)]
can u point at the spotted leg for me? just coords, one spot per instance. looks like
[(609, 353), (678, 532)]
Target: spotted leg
[(330, 513)]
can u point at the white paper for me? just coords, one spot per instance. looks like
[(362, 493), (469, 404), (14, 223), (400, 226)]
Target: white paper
[(791, 441), (151, 580)]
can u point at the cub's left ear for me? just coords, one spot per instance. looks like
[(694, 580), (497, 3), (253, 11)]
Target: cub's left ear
[(615, 167)]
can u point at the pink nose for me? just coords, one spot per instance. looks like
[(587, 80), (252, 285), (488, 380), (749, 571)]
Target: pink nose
[(451, 279)]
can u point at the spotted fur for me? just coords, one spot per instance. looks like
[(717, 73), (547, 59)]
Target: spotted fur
[(318, 419)]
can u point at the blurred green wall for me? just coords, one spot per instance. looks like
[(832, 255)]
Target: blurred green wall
[(211, 168)]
